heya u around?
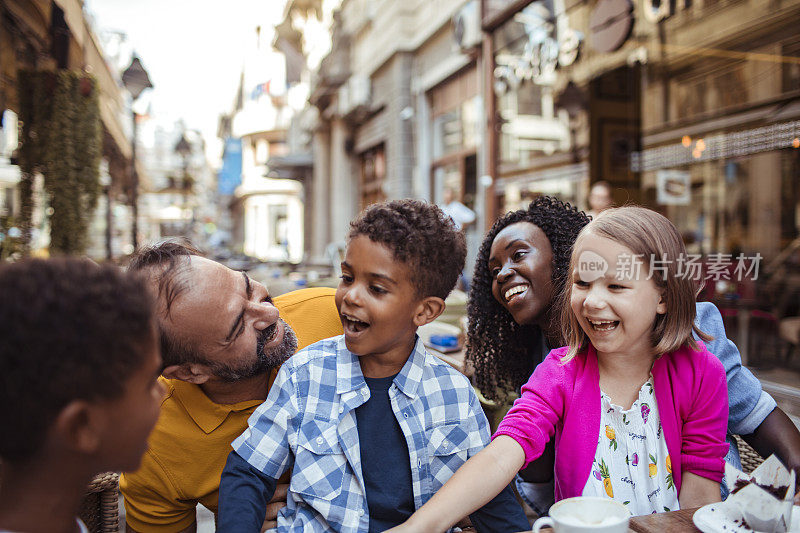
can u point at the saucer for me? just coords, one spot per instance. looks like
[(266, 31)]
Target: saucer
[(721, 517)]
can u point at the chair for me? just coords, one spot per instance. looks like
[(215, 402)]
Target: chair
[(100, 505), (750, 458)]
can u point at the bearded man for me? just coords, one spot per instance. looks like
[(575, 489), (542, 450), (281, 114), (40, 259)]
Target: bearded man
[(222, 338)]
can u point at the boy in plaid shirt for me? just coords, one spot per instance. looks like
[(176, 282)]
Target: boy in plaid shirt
[(370, 423)]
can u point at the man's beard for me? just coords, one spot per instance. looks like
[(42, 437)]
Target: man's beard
[(264, 360)]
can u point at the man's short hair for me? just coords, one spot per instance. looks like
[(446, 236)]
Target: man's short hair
[(420, 235), (163, 263), (70, 330)]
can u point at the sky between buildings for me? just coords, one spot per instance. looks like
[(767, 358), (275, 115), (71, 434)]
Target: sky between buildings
[(193, 51)]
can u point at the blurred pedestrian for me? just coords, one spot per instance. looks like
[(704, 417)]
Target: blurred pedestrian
[(462, 216), (599, 198)]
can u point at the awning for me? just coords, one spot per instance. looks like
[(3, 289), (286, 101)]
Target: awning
[(293, 166)]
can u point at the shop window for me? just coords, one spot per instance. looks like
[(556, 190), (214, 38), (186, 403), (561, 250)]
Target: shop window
[(791, 71), (456, 130), (449, 135), (261, 151), (372, 176), (455, 106), (6, 201), (730, 87), (523, 80), (691, 98), (460, 176), (278, 222), (790, 196), (529, 99)]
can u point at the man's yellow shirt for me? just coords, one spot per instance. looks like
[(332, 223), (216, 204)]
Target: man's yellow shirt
[(191, 441)]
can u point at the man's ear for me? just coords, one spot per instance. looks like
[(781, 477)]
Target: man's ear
[(80, 426), (428, 310), (189, 372)]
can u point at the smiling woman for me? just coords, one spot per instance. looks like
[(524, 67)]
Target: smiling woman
[(520, 271), (521, 265)]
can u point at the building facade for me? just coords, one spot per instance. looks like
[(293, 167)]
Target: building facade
[(689, 109), (268, 211), (400, 110)]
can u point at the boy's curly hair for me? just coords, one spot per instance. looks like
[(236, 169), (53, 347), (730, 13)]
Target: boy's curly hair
[(500, 350), (70, 330), (421, 236)]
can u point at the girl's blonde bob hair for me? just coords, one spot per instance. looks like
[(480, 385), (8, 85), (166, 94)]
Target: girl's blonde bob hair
[(648, 235)]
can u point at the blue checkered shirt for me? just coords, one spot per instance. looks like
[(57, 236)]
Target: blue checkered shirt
[(308, 424)]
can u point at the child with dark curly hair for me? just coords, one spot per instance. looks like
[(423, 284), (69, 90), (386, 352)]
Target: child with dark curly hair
[(78, 386), (371, 423)]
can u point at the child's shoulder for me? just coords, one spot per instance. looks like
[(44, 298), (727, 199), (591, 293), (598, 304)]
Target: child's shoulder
[(555, 360), (437, 371), (557, 353), (555, 372), (322, 352), (448, 396), (437, 367), (688, 360)]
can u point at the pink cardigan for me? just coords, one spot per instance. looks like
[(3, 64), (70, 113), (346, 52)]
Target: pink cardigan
[(692, 397)]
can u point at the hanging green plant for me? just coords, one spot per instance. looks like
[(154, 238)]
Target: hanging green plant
[(61, 139), (35, 91)]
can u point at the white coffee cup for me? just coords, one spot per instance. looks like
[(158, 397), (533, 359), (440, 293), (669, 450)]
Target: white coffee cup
[(586, 515)]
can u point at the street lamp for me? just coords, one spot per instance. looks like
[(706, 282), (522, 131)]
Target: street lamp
[(184, 149), (136, 80)]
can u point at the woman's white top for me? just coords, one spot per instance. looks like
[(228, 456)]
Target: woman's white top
[(632, 464)]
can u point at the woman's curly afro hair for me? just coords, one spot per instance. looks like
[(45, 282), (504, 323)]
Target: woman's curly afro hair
[(500, 350)]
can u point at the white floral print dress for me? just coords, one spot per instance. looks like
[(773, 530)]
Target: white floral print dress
[(632, 463)]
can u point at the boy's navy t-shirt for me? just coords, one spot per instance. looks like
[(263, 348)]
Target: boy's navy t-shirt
[(387, 471), (384, 459)]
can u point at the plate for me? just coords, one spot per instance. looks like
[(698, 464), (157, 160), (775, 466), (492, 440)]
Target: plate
[(722, 517)]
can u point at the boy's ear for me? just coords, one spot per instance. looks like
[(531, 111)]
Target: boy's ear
[(80, 426), (189, 372), (428, 310)]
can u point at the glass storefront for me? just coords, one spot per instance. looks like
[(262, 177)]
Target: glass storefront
[(537, 141), (456, 108), (680, 110)]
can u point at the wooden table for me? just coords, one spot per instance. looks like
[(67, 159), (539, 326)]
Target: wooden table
[(673, 522)]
